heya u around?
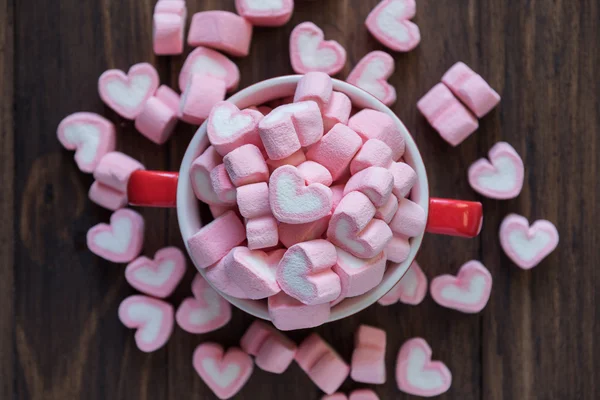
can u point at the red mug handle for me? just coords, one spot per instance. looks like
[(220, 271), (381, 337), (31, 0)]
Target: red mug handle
[(446, 217)]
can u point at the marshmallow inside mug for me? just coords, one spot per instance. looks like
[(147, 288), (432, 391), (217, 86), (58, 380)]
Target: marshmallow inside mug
[(188, 206)]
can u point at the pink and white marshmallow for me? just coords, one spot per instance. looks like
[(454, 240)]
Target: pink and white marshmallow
[(368, 358), (373, 153), (262, 232), (289, 127), (315, 86), (502, 176), (404, 179), (207, 311), (156, 121), (122, 240), (358, 275), (336, 150), (410, 219), (246, 165), (265, 12), (169, 97), (225, 373), (216, 274), (387, 211), (253, 200), (527, 245), (158, 277), (222, 185), (390, 23), (201, 179), (314, 172), (229, 128), (288, 314), (411, 289), (221, 30), (254, 271), (205, 61), (416, 374), (468, 292), (363, 394), (372, 124), (398, 248), (274, 352), (294, 202), (371, 75), (90, 135), (471, 89), (127, 93), (199, 97), (310, 52), (107, 197), (374, 182), (169, 27), (152, 318), (115, 169), (336, 111)]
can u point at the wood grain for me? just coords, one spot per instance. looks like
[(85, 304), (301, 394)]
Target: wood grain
[(535, 339)]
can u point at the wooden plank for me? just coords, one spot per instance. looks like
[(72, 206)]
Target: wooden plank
[(6, 200)]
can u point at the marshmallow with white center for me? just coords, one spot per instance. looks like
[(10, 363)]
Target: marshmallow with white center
[(416, 374), (114, 170), (158, 277), (372, 124), (398, 248), (468, 291), (121, 240), (374, 182), (90, 135), (314, 172), (354, 228), (199, 97), (253, 271), (246, 165), (229, 128), (411, 289), (310, 52), (200, 176), (152, 318), (447, 115), (374, 153), (222, 185), (387, 211), (107, 197), (404, 178), (471, 89), (217, 276), (371, 75), (288, 314), (305, 272), (389, 22), (336, 111), (213, 241), (502, 176), (205, 61), (368, 358), (221, 30), (168, 30), (410, 219), (358, 275), (315, 86), (262, 232), (289, 127), (156, 121), (265, 12), (253, 200), (336, 150), (295, 159)]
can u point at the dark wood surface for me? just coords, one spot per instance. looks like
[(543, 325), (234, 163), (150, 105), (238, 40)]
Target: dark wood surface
[(59, 333)]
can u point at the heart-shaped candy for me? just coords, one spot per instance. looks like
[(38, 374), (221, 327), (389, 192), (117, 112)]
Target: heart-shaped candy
[(229, 128), (371, 75), (254, 271), (90, 135), (224, 373), (502, 176), (309, 52), (265, 12), (416, 374), (411, 289), (205, 61), (389, 23), (292, 201), (158, 277), (527, 246), (127, 93), (468, 292), (152, 318), (200, 176), (122, 240)]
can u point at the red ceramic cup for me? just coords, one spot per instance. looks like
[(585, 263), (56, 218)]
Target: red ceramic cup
[(164, 189)]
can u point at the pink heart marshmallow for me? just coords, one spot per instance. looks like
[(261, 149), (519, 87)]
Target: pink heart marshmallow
[(389, 23), (468, 292), (158, 277), (152, 318), (416, 374), (502, 176), (371, 75), (527, 246), (309, 52), (122, 240)]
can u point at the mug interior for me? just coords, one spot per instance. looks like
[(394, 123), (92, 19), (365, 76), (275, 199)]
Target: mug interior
[(188, 207)]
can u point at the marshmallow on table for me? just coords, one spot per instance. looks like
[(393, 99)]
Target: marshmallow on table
[(200, 96), (122, 240), (410, 219), (336, 150), (152, 318), (373, 153), (387, 211), (471, 89), (314, 172), (127, 93), (315, 86), (205, 61), (309, 52), (358, 275), (169, 27), (229, 128), (253, 200), (502, 176), (216, 274), (169, 97), (291, 234), (363, 394), (158, 277), (354, 229), (398, 248), (336, 111), (262, 232), (374, 182), (411, 289), (372, 124), (288, 314), (213, 241), (90, 135), (447, 115), (107, 197), (305, 272), (390, 23), (527, 245), (221, 30), (371, 75), (207, 311), (114, 170), (274, 352), (246, 165), (468, 292), (289, 127), (265, 12), (404, 179), (295, 159), (416, 374), (322, 364), (292, 201), (222, 185), (335, 396), (225, 373), (368, 358), (156, 121), (201, 179)]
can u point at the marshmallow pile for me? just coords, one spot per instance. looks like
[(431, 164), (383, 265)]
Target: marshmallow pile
[(309, 202)]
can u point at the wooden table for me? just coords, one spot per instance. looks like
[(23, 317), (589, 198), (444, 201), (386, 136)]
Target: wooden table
[(59, 334)]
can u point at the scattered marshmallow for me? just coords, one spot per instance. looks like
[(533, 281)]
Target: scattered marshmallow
[(107, 197), (404, 179), (152, 318), (221, 30), (368, 358), (217, 276), (371, 75), (229, 128), (373, 153), (387, 211), (336, 150), (468, 292), (90, 135), (222, 185), (416, 374), (527, 245), (156, 121), (335, 396), (265, 12), (410, 219), (205, 61), (315, 86), (374, 182), (122, 240), (314, 172), (336, 111), (200, 96), (309, 52), (390, 23), (274, 352), (358, 275), (253, 200), (363, 394), (114, 170), (471, 89), (502, 176), (288, 314), (411, 289), (169, 97), (158, 277), (398, 248), (246, 165), (262, 232), (372, 124), (169, 27), (200, 176)]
